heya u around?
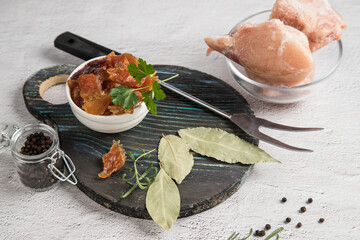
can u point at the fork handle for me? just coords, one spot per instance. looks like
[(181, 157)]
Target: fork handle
[(196, 100)]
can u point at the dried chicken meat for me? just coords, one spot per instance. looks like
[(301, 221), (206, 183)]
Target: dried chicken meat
[(90, 87), (97, 105), (113, 160)]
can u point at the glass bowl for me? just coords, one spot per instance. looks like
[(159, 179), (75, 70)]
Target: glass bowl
[(326, 60)]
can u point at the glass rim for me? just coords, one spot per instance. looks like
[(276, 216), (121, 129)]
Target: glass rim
[(235, 71)]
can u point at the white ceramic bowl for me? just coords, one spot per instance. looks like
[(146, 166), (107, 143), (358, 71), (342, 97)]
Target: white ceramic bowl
[(326, 60), (105, 124)]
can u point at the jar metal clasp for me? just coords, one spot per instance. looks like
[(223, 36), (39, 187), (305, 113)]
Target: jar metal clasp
[(59, 154), (6, 131)]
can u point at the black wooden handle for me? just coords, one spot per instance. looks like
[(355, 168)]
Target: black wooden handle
[(80, 47)]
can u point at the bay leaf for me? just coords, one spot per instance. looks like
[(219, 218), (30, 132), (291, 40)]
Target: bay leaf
[(175, 157), (223, 146), (163, 200)]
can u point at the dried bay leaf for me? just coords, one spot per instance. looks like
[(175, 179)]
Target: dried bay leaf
[(175, 157), (226, 147), (163, 200)]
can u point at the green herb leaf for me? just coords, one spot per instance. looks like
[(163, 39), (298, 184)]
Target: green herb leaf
[(141, 70), (233, 236), (163, 200), (175, 157), (148, 69), (251, 231), (223, 146), (158, 92), (149, 102), (275, 232), (124, 96)]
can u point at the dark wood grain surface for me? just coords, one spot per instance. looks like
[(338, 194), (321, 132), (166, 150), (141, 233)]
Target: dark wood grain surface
[(209, 183)]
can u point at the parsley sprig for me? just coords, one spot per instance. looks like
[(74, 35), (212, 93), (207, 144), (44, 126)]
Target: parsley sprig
[(126, 97)]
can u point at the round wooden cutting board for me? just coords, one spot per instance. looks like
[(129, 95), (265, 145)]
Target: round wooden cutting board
[(209, 183)]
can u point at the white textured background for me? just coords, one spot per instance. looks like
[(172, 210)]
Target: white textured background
[(172, 32)]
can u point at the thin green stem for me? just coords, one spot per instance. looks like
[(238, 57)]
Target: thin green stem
[(167, 79), (128, 192), (233, 236), (137, 176), (144, 154), (251, 231), (172, 77)]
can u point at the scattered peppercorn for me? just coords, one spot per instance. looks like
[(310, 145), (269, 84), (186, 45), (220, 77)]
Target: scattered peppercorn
[(262, 233), (321, 220), (310, 200), (284, 199), (302, 209), (298, 225), (257, 233), (267, 226), (287, 220)]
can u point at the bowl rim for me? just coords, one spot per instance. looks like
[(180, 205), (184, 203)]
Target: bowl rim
[(97, 118), (253, 82)]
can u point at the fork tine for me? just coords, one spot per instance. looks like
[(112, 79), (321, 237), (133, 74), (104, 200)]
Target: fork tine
[(271, 140), (269, 124)]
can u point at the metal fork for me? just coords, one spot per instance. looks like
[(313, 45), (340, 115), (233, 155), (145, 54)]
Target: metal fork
[(250, 124), (86, 50)]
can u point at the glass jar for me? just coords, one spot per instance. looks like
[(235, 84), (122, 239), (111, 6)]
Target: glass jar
[(46, 166)]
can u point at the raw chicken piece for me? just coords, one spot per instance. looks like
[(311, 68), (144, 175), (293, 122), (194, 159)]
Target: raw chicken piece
[(316, 18), (271, 52)]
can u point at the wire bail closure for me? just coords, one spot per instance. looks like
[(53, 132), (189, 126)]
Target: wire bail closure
[(6, 132), (69, 165)]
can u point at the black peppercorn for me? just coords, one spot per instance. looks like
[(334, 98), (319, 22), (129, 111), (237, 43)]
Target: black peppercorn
[(302, 209), (257, 233), (284, 199), (36, 143), (287, 220), (310, 200), (267, 226), (321, 220), (262, 233), (298, 225)]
